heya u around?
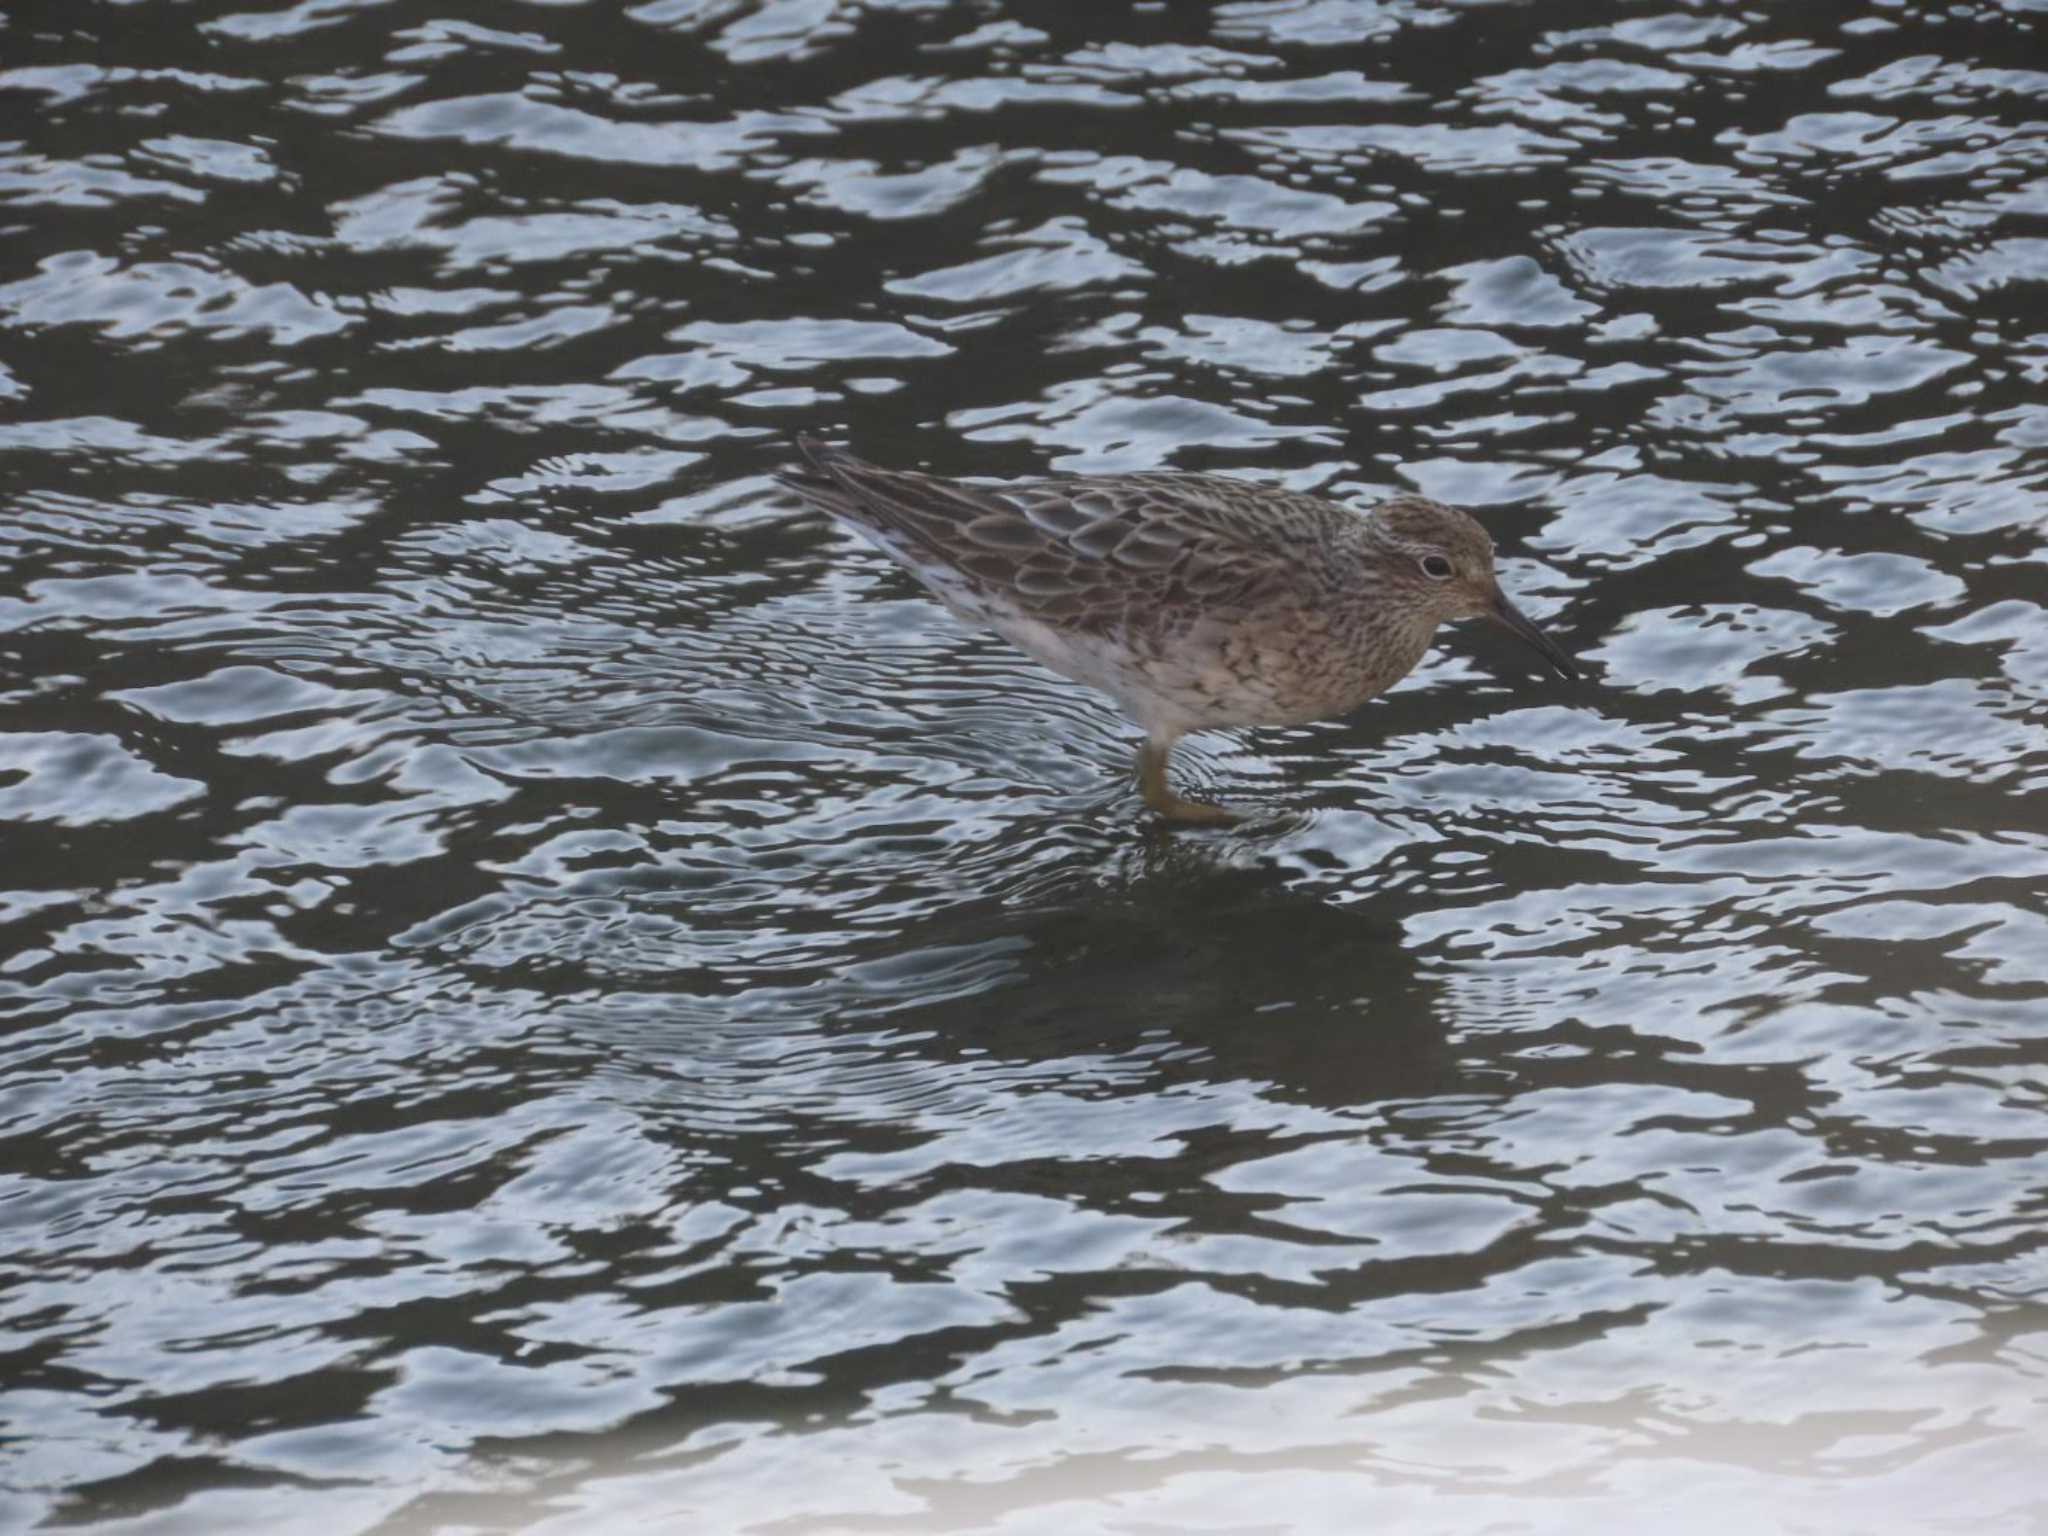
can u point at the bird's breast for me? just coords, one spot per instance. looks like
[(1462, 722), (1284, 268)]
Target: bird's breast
[(1313, 664)]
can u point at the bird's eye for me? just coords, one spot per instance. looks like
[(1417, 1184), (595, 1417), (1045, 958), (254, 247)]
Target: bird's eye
[(1437, 566)]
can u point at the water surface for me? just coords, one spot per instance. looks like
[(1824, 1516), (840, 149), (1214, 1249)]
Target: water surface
[(544, 989)]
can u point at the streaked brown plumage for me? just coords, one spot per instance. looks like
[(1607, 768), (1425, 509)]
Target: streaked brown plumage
[(1192, 600)]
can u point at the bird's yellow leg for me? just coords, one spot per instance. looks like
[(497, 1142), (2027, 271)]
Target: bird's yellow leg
[(1152, 757)]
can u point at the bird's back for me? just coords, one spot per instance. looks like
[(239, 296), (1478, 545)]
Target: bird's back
[(1094, 552)]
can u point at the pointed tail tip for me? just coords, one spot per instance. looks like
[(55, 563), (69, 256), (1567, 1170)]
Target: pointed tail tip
[(816, 451), (819, 473)]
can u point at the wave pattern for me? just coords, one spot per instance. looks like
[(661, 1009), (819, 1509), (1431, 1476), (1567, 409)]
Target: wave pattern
[(543, 989)]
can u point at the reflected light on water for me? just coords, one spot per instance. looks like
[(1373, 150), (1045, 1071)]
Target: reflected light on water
[(543, 989)]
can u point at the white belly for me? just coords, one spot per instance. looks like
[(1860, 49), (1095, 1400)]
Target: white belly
[(1189, 687)]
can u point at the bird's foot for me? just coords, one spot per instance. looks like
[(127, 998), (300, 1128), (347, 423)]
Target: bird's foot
[(1152, 758), (1194, 813)]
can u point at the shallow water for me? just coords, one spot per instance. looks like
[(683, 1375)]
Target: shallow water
[(543, 989)]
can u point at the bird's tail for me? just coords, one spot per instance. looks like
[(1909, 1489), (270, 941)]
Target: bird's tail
[(812, 483), (891, 503)]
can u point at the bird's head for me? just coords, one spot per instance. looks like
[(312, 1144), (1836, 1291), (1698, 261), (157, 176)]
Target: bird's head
[(1441, 559)]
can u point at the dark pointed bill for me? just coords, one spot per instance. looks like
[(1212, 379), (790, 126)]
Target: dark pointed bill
[(1509, 616)]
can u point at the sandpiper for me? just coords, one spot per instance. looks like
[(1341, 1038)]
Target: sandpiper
[(1193, 600)]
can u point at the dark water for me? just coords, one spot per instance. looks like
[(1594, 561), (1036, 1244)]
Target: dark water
[(542, 989)]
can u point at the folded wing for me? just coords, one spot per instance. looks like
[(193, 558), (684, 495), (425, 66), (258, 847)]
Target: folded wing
[(1096, 555)]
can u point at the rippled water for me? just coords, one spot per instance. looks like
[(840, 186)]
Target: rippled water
[(543, 989)]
